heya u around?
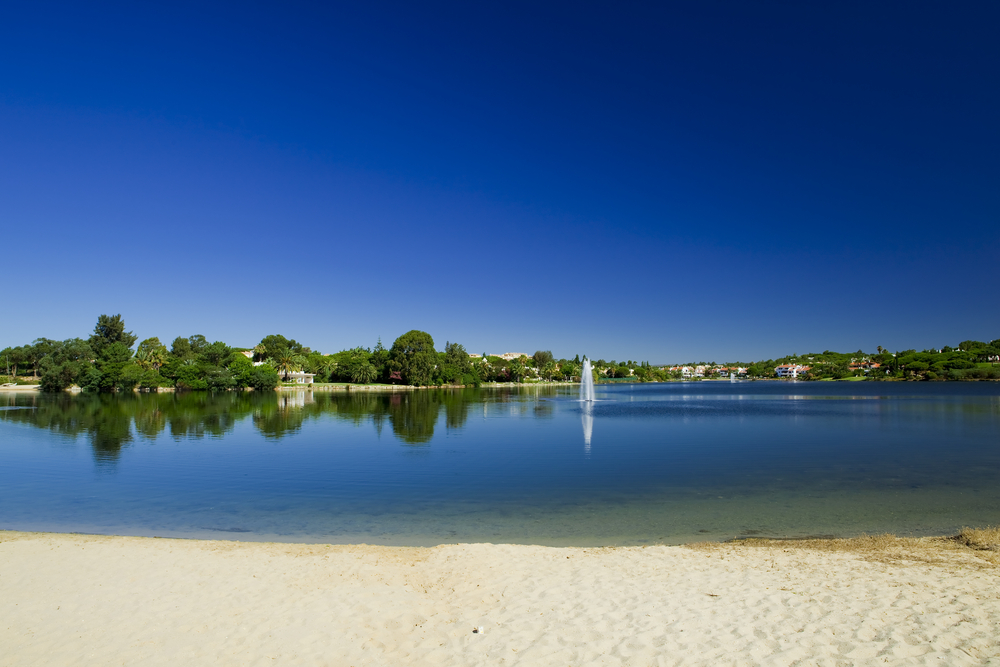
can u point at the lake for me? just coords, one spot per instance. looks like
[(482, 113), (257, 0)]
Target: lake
[(644, 464)]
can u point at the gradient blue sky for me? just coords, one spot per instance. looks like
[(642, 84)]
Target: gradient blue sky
[(671, 182)]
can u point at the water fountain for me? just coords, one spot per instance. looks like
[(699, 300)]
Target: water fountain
[(587, 398), (586, 382)]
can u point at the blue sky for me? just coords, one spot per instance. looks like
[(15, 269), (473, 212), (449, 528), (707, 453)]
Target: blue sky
[(670, 182)]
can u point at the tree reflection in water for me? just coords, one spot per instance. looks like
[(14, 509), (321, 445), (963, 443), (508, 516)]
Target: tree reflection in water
[(112, 422)]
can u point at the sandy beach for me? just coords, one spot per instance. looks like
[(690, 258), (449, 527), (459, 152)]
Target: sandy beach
[(96, 600)]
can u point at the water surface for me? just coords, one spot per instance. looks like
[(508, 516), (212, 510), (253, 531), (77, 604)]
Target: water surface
[(652, 463)]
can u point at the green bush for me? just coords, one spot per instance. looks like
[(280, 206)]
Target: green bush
[(190, 376), (219, 379), (240, 367), (151, 379), (264, 378), (90, 379), (57, 377)]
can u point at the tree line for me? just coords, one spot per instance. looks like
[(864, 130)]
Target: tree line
[(107, 362), (110, 361)]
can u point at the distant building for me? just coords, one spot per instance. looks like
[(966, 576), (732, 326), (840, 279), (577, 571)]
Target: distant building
[(298, 377), (247, 353), (790, 370), (510, 356), (865, 365)]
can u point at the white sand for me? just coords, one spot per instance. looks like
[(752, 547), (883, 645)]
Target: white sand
[(72, 599)]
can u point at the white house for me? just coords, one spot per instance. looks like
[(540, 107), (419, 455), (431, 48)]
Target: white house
[(297, 377), (510, 356), (790, 370)]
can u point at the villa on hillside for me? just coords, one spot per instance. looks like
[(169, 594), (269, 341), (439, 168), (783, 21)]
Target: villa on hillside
[(506, 356), (864, 365), (790, 370)]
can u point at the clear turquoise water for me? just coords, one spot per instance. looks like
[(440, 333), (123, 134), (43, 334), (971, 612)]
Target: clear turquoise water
[(666, 463)]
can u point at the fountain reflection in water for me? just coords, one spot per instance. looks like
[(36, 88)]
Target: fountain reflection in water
[(588, 427)]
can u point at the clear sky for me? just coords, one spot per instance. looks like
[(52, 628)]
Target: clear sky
[(671, 182)]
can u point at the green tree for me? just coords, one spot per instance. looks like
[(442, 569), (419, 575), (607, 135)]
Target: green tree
[(264, 378), (379, 358), (275, 344), (415, 355), (65, 365), (110, 329), (241, 368), (542, 357), (151, 353), (181, 349), (198, 343), (517, 369), (456, 356), (215, 354), (288, 362), (117, 370), (364, 373), (37, 351)]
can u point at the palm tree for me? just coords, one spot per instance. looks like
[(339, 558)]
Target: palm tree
[(327, 365), (157, 357), (288, 362), (284, 363), (364, 373), (142, 358), (259, 351)]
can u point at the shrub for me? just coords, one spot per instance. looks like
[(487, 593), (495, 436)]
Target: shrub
[(263, 378), (190, 376), (240, 367), (151, 380), (57, 378), (219, 379)]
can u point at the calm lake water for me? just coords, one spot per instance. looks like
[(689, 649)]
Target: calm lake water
[(652, 463)]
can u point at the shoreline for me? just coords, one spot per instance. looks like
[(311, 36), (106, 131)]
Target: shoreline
[(347, 388), (70, 598)]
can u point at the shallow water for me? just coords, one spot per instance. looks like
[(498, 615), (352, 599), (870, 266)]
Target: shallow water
[(663, 463)]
